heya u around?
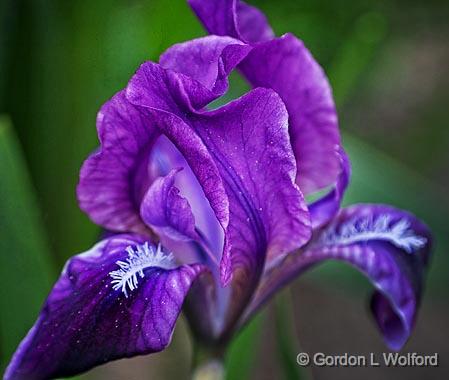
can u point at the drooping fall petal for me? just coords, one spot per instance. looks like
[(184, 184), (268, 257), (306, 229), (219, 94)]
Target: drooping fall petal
[(389, 246), (119, 299)]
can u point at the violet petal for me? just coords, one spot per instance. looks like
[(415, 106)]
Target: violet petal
[(166, 211), (293, 73), (208, 60), (285, 65), (164, 158), (242, 157), (244, 147), (324, 209), (87, 321), (389, 246), (113, 180), (233, 18)]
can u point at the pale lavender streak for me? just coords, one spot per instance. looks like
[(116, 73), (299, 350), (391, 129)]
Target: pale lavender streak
[(164, 158), (166, 211)]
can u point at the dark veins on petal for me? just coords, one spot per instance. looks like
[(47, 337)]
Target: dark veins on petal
[(86, 322)]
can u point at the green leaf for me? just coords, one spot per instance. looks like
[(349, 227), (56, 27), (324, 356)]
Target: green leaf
[(244, 349), (356, 54), (287, 343), (25, 267)]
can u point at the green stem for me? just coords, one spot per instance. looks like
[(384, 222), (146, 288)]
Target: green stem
[(208, 364)]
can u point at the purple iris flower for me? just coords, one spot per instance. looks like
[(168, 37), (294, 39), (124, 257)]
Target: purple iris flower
[(207, 206)]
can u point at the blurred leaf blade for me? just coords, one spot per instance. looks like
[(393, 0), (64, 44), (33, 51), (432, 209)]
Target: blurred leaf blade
[(287, 345), (356, 54), (243, 350), (25, 266)]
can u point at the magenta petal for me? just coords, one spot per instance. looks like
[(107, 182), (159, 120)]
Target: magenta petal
[(166, 211), (113, 180), (86, 322), (389, 246)]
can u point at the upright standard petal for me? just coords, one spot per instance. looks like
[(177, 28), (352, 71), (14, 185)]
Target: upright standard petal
[(233, 18), (242, 148), (120, 299), (114, 179), (209, 60), (285, 65), (178, 87), (389, 246), (293, 73)]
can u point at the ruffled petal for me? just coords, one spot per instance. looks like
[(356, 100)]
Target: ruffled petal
[(285, 65), (324, 209), (114, 179), (166, 211), (165, 158), (233, 18), (119, 299), (389, 246), (242, 157), (208, 60), (179, 88), (293, 73)]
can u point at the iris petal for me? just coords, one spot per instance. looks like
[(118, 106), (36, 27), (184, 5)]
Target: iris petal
[(166, 211), (389, 246), (113, 180), (86, 321), (285, 65), (244, 147), (240, 154)]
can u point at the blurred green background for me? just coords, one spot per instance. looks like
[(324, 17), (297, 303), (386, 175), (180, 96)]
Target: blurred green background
[(388, 65)]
